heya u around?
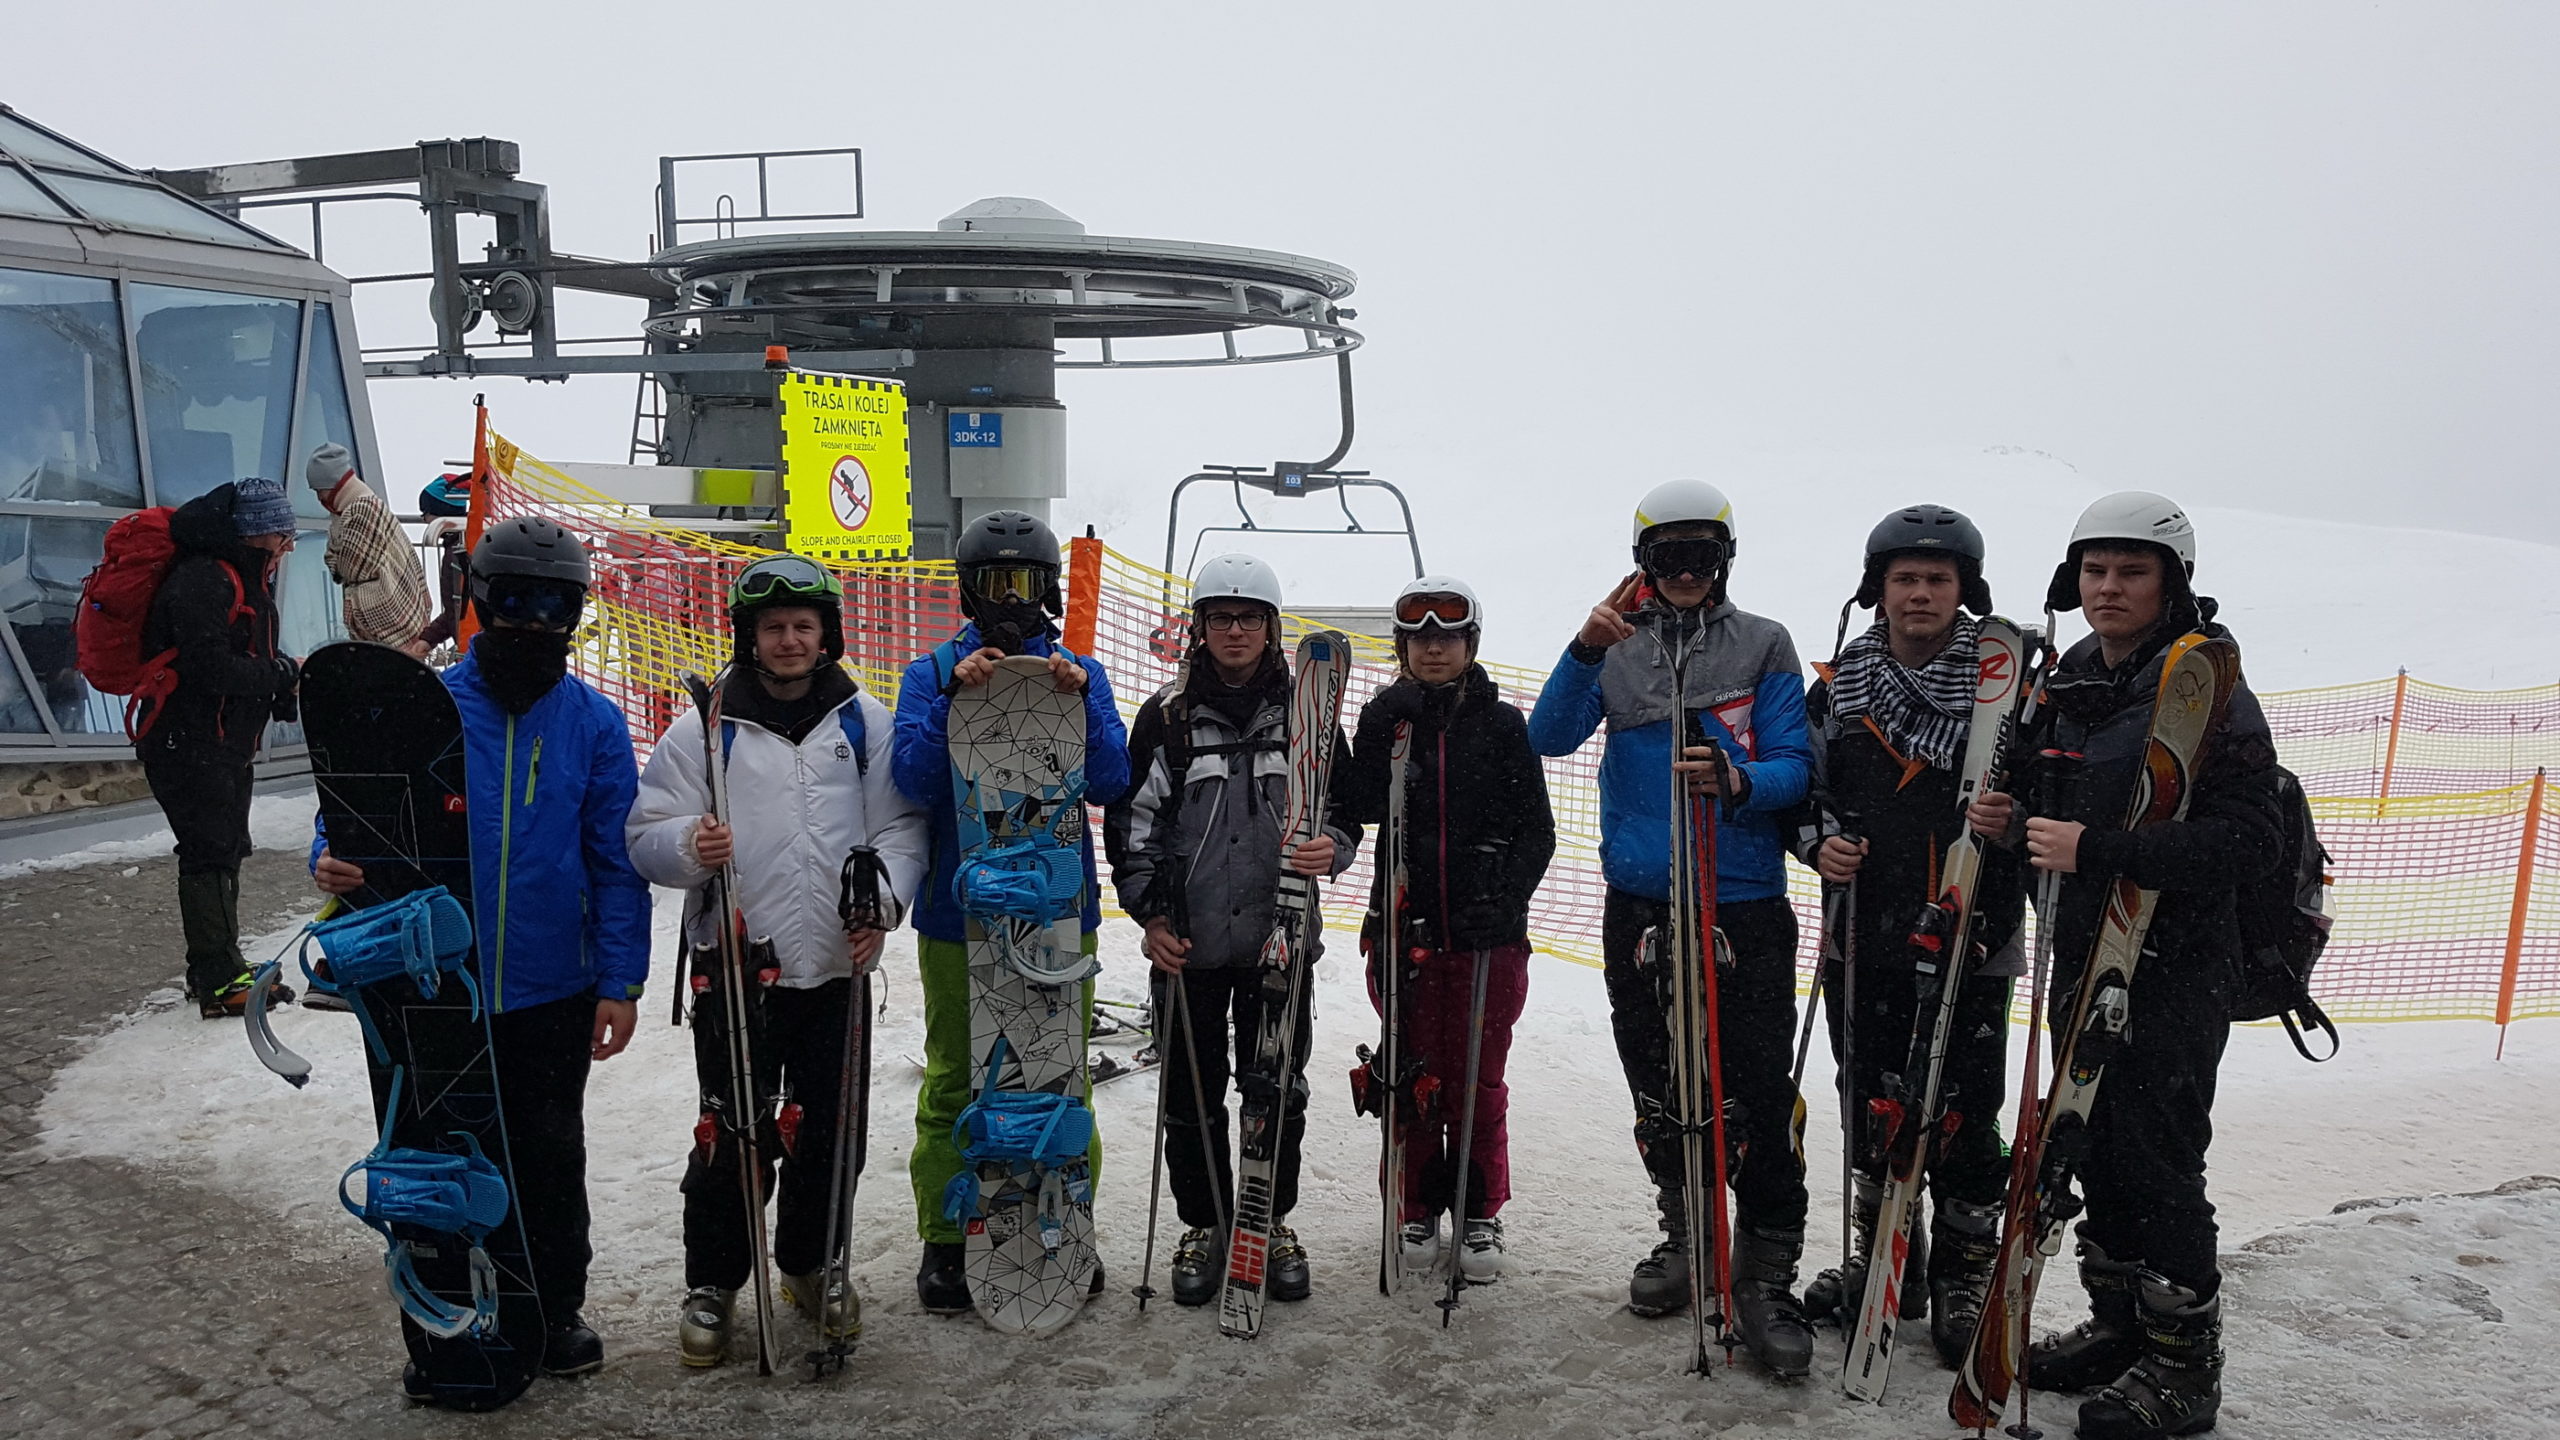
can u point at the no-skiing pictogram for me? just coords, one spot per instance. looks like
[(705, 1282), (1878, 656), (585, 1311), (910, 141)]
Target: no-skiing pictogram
[(849, 491)]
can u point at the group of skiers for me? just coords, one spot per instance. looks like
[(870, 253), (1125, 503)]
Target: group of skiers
[(1705, 706)]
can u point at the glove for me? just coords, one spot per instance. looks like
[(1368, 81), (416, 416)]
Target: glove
[(1400, 703), (330, 466)]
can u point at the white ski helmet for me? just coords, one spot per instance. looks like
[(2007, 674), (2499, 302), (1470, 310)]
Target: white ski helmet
[(1422, 589), (2135, 515), (1236, 577), (1675, 501)]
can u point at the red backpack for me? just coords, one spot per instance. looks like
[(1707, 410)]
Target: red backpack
[(115, 602)]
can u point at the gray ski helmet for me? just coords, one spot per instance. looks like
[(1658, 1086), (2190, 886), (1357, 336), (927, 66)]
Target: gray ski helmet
[(1926, 530), (531, 546), (2136, 516)]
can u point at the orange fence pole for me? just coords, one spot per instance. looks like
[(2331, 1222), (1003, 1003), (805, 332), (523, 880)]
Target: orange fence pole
[(1084, 593), (2516, 912), (2391, 746), (465, 625)]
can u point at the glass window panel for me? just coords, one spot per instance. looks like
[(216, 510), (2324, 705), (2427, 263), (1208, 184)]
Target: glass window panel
[(325, 414), (18, 715), (33, 145), (217, 386), (307, 615), (66, 409), (42, 562), (146, 206), (19, 196)]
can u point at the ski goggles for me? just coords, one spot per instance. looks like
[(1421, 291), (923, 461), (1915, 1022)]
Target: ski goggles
[(525, 600), (1011, 584), (1700, 556), (785, 577), (1448, 612)]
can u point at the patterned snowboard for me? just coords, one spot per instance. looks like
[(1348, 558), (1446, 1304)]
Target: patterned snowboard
[(1017, 763)]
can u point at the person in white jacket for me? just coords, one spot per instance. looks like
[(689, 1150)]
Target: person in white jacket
[(807, 754)]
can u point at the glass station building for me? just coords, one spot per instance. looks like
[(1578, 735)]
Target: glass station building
[(150, 349)]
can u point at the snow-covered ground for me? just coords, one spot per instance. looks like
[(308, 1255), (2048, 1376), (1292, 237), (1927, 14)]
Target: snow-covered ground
[(2419, 1317)]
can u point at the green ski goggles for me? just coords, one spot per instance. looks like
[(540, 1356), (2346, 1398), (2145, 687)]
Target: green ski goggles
[(785, 577)]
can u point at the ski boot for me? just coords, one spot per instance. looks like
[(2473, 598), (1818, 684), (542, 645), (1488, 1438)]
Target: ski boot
[(1420, 1240), (2176, 1387), (1660, 1284), (702, 1330), (572, 1349), (1199, 1266), (1766, 1316), (1836, 1293), (942, 1281), (1480, 1254), (2101, 1347), (1965, 1245), (829, 1301), (1286, 1263)]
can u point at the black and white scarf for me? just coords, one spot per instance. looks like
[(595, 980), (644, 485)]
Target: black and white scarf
[(1923, 713)]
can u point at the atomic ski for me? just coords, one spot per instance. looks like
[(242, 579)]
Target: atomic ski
[(2197, 678), (1905, 1125), (1389, 1081), (1025, 1202), (1262, 1083)]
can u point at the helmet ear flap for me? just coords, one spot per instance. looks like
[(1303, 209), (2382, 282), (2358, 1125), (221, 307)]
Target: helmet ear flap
[(2064, 592), (1870, 587), (1977, 595)]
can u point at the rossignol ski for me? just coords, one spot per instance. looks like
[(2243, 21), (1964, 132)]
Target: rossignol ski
[(1262, 1083), (1025, 1199), (1389, 1081), (729, 987), (2197, 678), (1907, 1124)]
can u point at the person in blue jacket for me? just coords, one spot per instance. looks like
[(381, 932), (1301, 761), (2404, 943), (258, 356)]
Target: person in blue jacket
[(563, 917), (1009, 591), (1746, 690)]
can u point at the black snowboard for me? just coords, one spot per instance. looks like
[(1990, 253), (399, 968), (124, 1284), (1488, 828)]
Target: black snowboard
[(387, 756)]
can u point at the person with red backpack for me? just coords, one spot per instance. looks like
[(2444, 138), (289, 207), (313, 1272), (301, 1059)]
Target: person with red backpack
[(220, 677)]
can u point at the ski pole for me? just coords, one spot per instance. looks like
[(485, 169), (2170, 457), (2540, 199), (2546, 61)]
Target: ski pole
[(1146, 1289), (1465, 1157)]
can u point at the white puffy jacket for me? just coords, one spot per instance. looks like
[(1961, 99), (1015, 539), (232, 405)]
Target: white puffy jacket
[(797, 811)]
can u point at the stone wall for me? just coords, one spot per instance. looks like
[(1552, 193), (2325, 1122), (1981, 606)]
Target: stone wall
[(53, 785)]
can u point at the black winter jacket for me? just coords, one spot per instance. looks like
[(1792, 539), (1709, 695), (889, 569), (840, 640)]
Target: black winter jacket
[(2230, 836), (1478, 832), (232, 677)]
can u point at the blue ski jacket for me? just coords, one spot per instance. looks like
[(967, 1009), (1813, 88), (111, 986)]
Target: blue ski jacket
[(557, 906), (921, 764), (1746, 685)]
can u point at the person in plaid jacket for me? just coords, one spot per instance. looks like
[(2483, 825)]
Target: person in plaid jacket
[(382, 591)]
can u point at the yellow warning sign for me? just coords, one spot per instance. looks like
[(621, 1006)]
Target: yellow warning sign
[(844, 468)]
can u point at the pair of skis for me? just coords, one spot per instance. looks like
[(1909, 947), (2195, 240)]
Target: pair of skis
[(1905, 1125), (2197, 680), (1264, 1082)]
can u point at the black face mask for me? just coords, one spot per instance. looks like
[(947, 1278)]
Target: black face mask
[(521, 666), (1009, 625)]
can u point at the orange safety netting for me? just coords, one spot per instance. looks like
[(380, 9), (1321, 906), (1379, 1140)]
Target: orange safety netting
[(2425, 795)]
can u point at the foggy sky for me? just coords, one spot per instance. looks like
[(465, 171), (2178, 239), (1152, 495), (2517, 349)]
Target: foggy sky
[(2294, 258)]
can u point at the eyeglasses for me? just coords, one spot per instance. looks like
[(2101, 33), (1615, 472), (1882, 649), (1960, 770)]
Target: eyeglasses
[(1700, 556), (1011, 584), (1252, 622), (1447, 612), (549, 605), (785, 575)]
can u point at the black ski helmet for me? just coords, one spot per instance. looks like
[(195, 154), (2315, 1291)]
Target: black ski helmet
[(1007, 537), (1926, 530), (779, 581), (530, 545)]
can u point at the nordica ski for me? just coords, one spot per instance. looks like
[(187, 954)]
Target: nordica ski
[(1389, 1081), (1906, 1124), (1315, 708), (732, 984), (2197, 678)]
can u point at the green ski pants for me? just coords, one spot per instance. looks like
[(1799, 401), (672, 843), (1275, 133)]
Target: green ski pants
[(944, 967)]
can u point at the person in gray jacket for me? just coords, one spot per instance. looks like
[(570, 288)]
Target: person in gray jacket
[(1196, 850)]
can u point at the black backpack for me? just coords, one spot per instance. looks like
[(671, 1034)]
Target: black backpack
[(2284, 925)]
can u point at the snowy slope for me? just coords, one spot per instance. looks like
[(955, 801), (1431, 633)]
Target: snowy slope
[(1550, 1350)]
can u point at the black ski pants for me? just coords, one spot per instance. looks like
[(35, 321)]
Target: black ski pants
[(205, 793), (1756, 1009), (2153, 1121), (800, 1049), (1972, 1164), (542, 1062), (1223, 1000)]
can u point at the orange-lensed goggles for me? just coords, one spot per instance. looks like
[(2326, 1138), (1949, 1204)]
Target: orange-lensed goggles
[(1449, 612)]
